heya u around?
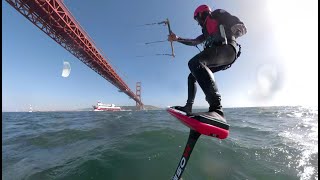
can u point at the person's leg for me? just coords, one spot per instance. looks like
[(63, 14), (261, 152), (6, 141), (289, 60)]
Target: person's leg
[(214, 57), (207, 83), (192, 90)]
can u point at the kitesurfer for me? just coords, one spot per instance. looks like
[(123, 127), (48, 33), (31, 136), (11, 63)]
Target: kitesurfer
[(220, 30)]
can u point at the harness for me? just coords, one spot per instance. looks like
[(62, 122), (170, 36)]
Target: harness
[(238, 54), (216, 40)]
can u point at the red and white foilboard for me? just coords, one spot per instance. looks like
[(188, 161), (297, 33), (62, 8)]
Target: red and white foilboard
[(206, 123)]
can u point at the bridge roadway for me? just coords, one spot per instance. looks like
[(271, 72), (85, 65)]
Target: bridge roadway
[(54, 19)]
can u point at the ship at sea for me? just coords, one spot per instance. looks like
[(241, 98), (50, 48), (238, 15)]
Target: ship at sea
[(106, 107), (30, 108)]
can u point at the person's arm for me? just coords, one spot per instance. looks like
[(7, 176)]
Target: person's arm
[(192, 42), (189, 42)]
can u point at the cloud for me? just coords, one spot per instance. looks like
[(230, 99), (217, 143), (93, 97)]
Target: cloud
[(269, 80)]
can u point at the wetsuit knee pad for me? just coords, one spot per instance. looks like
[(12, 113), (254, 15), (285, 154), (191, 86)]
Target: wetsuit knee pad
[(191, 78), (193, 64)]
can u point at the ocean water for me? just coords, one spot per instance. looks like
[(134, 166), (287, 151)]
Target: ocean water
[(264, 143)]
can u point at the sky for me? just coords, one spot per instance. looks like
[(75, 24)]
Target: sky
[(278, 65)]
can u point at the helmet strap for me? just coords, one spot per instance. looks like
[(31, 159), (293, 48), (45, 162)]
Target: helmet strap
[(202, 17)]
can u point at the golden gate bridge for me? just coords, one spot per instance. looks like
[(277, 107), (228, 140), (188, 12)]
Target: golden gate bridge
[(54, 19)]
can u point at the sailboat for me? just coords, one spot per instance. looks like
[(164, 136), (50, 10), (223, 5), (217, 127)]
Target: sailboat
[(30, 108)]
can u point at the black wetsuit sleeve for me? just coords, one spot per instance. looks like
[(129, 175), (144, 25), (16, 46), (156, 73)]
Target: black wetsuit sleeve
[(192, 42)]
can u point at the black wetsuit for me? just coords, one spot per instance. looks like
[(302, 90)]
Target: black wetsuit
[(216, 56)]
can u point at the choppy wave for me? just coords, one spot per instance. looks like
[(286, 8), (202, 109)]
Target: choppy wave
[(264, 143)]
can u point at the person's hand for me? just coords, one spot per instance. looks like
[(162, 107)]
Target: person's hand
[(239, 30), (172, 37)]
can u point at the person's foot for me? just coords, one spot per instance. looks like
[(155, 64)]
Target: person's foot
[(187, 109), (217, 110)]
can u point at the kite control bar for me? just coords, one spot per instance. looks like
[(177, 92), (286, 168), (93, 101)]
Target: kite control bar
[(167, 23), (169, 28)]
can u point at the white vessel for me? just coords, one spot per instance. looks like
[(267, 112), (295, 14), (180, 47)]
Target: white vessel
[(30, 108), (106, 107)]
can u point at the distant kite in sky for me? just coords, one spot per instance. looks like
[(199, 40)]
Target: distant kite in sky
[(66, 69)]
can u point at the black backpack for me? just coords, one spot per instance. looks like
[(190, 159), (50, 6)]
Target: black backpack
[(228, 21)]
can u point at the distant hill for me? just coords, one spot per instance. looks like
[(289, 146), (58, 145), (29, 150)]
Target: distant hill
[(133, 108), (85, 109), (146, 107)]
